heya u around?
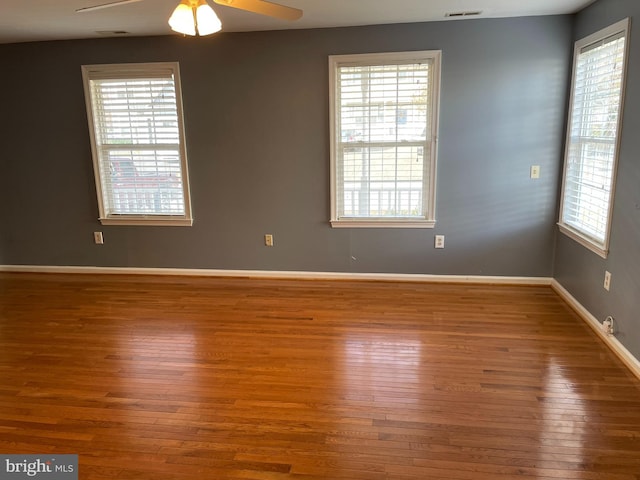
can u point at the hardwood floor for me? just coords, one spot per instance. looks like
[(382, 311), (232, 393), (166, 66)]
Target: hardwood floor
[(205, 378)]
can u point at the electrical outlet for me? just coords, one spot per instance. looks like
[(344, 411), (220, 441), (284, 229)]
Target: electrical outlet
[(608, 326), (268, 240), (607, 281), (98, 238), (439, 241)]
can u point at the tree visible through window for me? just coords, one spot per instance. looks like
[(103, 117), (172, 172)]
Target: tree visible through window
[(137, 138)]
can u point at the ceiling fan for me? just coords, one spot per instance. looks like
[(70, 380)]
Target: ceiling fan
[(262, 7)]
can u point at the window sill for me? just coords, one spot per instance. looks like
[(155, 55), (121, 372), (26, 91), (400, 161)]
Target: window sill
[(584, 241), (148, 221), (368, 223)]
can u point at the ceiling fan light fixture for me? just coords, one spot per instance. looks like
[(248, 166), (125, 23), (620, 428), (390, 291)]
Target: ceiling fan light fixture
[(207, 20), (194, 17), (181, 19)]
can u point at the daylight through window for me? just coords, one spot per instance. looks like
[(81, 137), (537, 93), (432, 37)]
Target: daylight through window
[(384, 114), (137, 140), (593, 133)]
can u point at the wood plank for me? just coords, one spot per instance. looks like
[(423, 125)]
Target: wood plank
[(237, 378)]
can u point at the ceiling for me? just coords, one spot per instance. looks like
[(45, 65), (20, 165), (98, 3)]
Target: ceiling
[(38, 20)]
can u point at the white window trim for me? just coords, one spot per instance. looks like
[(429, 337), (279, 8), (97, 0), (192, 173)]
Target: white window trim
[(601, 249), (131, 70), (395, 222), (429, 220)]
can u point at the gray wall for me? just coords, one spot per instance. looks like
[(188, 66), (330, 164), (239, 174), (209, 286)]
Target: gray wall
[(577, 269), (256, 114), (4, 176)]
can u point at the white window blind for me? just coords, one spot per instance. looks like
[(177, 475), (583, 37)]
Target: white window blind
[(592, 137), (384, 112), (138, 146)]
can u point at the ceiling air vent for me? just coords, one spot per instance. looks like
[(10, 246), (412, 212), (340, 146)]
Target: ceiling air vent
[(463, 14)]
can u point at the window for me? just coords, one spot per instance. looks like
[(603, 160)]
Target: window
[(137, 141), (595, 117), (384, 111)]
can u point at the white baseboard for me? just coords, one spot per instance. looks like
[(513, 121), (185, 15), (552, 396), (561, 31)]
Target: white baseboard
[(397, 277), (611, 341)]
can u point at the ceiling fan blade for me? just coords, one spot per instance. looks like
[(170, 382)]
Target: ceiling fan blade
[(263, 7), (105, 5)]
